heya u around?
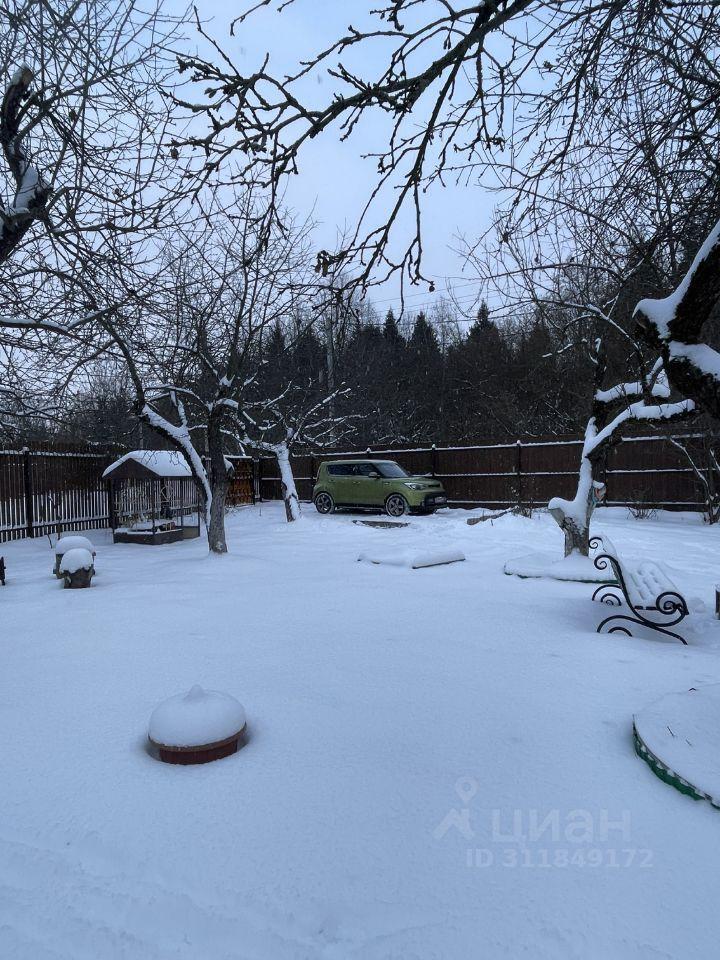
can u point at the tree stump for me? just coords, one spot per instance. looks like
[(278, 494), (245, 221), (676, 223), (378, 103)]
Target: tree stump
[(76, 568), (65, 544), (78, 579)]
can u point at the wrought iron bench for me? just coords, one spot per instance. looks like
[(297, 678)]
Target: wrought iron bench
[(645, 588)]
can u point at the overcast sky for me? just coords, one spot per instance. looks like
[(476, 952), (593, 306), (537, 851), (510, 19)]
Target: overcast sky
[(334, 179)]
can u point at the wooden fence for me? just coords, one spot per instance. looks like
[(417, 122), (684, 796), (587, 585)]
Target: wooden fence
[(45, 490), (645, 470), (41, 490)]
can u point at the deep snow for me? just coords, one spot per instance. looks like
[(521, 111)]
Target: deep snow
[(406, 730)]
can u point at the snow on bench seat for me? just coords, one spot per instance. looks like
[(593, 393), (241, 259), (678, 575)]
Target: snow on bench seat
[(644, 582), (644, 586)]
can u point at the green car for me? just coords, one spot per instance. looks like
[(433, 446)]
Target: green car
[(375, 484)]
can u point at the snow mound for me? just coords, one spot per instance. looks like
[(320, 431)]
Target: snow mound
[(430, 558), (399, 559), (196, 718), (679, 737), (73, 542), (574, 567), (78, 558), (435, 558)]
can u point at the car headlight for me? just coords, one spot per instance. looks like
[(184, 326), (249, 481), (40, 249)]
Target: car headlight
[(415, 486)]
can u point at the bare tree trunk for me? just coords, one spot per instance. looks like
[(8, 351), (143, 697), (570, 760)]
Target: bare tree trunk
[(573, 516), (219, 484), (576, 530), (287, 483), (329, 356), (216, 525)]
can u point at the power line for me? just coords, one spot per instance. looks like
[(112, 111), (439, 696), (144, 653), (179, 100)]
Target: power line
[(449, 290)]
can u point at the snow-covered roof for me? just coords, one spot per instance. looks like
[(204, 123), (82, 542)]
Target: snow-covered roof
[(161, 463)]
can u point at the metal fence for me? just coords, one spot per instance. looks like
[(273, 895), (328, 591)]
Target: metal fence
[(642, 470)]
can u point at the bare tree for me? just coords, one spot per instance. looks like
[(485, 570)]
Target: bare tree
[(613, 408), (706, 471), (529, 92), (81, 130), (295, 417), (192, 340)]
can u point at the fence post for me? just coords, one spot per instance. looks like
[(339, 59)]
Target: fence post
[(259, 478), (28, 490), (433, 460), (111, 504), (606, 471), (518, 472)]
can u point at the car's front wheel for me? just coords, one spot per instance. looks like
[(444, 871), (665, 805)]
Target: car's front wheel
[(324, 503), (396, 505)]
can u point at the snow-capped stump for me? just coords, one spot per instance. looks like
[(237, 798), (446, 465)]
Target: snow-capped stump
[(197, 726), (70, 542), (77, 567)]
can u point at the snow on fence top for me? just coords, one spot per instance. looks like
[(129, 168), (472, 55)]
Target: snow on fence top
[(148, 464)]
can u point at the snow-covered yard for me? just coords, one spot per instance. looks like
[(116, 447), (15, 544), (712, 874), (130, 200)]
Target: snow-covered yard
[(440, 762)]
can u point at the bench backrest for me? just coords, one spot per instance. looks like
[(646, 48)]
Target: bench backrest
[(607, 547)]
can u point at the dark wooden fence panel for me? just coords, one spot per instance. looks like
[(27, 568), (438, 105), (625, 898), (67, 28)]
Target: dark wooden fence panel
[(68, 491), (242, 482), (13, 518), (649, 470), (43, 490), (639, 470)]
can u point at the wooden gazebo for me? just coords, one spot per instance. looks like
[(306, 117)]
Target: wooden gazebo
[(153, 498)]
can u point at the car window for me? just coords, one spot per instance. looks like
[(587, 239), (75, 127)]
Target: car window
[(365, 469), (390, 469), (339, 469)]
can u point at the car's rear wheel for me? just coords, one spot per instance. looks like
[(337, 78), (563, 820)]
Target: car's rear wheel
[(324, 503), (396, 505)]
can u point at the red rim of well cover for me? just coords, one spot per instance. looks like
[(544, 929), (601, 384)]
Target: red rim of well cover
[(200, 753)]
